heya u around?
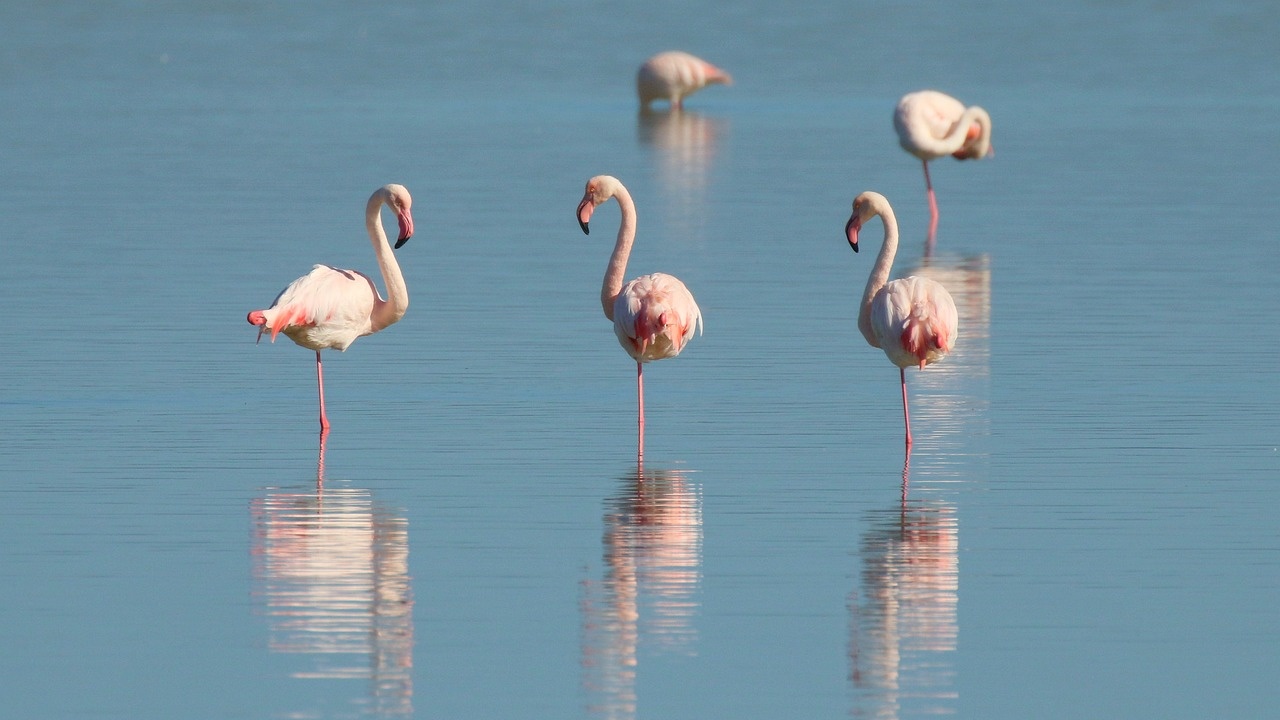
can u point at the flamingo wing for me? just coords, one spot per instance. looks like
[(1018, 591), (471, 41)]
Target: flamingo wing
[(655, 316), (328, 308)]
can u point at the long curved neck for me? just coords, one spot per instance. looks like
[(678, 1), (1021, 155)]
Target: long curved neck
[(879, 273), (389, 311), (955, 140), (617, 268), (959, 135)]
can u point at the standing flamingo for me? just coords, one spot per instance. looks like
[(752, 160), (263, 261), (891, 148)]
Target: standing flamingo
[(673, 74), (653, 315), (931, 124), (912, 319), (328, 308)]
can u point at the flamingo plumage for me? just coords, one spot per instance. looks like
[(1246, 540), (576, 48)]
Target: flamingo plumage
[(654, 316), (931, 124), (674, 75), (328, 308), (912, 319)]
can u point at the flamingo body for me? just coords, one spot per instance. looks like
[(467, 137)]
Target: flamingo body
[(328, 308), (913, 319), (931, 124), (674, 75), (654, 316)]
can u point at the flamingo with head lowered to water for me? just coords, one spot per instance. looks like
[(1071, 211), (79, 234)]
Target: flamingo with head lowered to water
[(673, 75)]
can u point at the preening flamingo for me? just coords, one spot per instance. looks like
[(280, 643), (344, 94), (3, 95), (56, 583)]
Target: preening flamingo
[(328, 308), (673, 75), (931, 124), (654, 316), (912, 319)]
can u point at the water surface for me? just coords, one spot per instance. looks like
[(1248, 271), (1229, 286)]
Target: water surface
[(1087, 526)]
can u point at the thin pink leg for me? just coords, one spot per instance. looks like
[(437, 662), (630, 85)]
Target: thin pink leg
[(933, 202), (324, 419), (640, 396), (906, 415)]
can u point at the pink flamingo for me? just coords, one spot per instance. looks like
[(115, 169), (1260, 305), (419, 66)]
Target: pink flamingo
[(672, 75), (328, 308), (912, 319), (654, 316), (931, 124)]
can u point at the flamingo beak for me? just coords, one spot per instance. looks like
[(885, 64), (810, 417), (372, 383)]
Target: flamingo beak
[(851, 229), (585, 208), (406, 227)]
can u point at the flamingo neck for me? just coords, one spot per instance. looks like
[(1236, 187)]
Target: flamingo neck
[(617, 268), (389, 311), (880, 273), (960, 133)]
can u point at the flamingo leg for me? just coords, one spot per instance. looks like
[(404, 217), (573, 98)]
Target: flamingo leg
[(640, 397), (906, 477), (324, 419), (933, 200), (906, 415), (324, 436)]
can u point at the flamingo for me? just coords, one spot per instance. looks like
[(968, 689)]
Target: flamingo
[(912, 319), (654, 316), (931, 124), (328, 308), (673, 74)]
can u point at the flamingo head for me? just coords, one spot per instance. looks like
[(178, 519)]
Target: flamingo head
[(398, 199), (866, 206), (599, 189)]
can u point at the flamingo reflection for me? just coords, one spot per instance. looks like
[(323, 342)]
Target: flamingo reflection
[(331, 574), (648, 595), (902, 615), (684, 145)]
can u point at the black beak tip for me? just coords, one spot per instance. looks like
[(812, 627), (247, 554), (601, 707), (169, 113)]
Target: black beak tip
[(854, 245), (402, 241), (585, 230)]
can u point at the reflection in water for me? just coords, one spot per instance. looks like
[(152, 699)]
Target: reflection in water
[(685, 146), (331, 569), (902, 617), (652, 569)]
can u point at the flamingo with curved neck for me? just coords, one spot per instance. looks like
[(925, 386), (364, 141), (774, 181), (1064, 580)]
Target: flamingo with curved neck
[(328, 308), (931, 124), (912, 319), (654, 316)]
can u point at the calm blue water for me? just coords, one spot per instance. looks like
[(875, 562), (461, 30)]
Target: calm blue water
[(1088, 529)]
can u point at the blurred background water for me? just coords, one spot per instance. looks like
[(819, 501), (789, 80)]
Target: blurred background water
[(1088, 528)]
